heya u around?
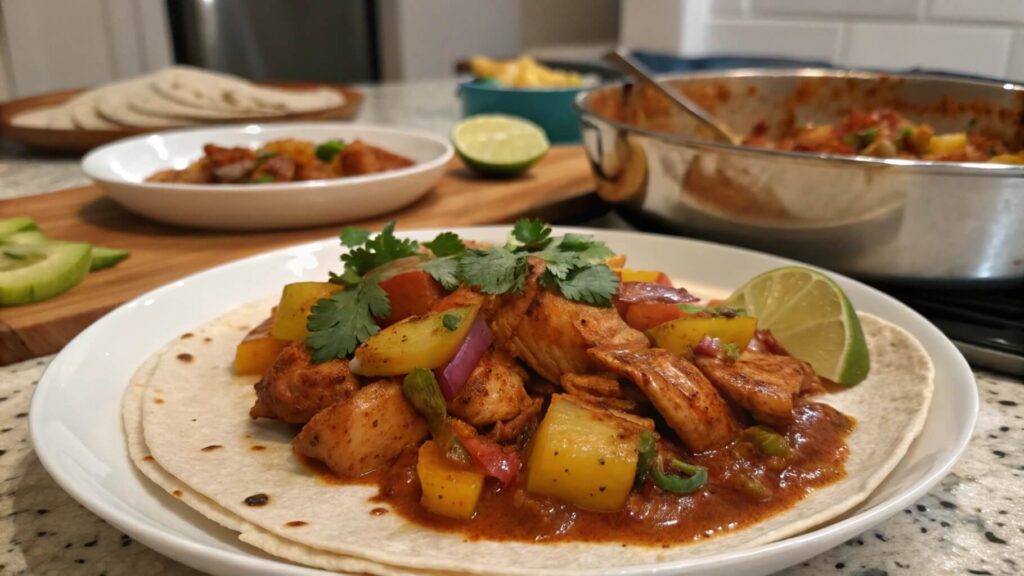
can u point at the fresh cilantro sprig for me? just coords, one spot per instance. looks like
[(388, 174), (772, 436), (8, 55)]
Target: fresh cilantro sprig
[(573, 263), (340, 323)]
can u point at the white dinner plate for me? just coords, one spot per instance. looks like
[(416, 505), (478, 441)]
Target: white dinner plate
[(121, 169), (75, 419)]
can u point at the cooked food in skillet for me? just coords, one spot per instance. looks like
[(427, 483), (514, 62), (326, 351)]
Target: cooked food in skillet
[(884, 133), (289, 160)]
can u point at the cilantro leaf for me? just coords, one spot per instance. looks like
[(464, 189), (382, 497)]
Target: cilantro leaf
[(444, 270), (493, 271), (691, 308), (340, 323), (446, 244), (379, 250), (731, 350), (592, 285), (560, 264), (352, 236), (451, 322), (530, 233)]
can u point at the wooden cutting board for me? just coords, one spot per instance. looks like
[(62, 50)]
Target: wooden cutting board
[(559, 188)]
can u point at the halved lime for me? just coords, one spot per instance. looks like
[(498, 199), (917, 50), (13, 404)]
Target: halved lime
[(497, 145), (811, 317), (33, 272)]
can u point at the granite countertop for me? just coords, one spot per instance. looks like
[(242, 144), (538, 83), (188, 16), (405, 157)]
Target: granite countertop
[(972, 523)]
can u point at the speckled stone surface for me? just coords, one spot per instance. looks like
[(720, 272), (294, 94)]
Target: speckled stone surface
[(972, 523)]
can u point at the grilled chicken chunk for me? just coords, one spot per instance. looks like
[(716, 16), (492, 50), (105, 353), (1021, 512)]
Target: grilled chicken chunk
[(358, 435), (680, 393), (604, 390), (551, 334), (764, 384), (495, 391), (294, 389)]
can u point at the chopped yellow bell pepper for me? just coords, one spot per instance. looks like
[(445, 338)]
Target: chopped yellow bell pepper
[(257, 351), (682, 334), (293, 311), (449, 489), (654, 276), (416, 342), (583, 456)]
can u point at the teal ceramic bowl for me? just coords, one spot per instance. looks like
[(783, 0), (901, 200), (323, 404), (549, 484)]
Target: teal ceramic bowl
[(550, 108)]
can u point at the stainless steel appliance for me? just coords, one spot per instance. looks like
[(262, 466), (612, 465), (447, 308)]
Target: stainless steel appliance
[(332, 41)]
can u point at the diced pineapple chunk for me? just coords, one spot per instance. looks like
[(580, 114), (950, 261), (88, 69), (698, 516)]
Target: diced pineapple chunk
[(628, 275), (256, 352), (293, 311), (448, 489), (944, 144), (416, 342), (681, 335), (583, 456)]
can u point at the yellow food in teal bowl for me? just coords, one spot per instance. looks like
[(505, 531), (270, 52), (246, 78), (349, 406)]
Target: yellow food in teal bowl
[(524, 88)]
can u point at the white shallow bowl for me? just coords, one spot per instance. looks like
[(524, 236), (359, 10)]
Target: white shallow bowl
[(121, 169), (85, 450)]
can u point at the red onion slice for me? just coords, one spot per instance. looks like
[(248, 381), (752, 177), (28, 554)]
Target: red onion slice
[(633, 292), (708, 346), (452, 376)]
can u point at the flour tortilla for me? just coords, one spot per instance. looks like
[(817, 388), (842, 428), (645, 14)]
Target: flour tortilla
[(113, 104), (189, 405), (150, 102), (139, 453), (204, 89), (85, 115), (52, 117)]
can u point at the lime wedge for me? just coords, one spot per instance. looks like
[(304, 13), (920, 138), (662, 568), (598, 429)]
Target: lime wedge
[(496, 145), (33, 272), (811, 317)]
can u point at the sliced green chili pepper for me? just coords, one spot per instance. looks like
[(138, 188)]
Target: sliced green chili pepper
[(698, 477), (421, 390), (768, 441), (328, 150), (646, 457), (263, 179)]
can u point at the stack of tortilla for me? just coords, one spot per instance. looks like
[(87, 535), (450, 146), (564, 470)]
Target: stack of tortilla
[(176, 96), (188, 430)]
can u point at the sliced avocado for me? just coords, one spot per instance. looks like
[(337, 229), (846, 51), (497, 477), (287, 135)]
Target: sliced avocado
[(33, 272), (9, 226), (103, 257), (25, 237)]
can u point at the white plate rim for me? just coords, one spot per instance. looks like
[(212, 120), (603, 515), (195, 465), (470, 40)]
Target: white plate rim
[(206, 555)]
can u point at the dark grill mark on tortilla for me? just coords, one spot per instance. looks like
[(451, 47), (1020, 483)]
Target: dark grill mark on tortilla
[(207, 339), (378, 511), (187, 335), (211, 448), (260, 499), (158, 401), (185, 357), (295, 523), (148, 458), (257, 447), (177, 493)]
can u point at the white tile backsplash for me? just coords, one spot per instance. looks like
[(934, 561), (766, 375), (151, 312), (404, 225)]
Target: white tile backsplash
[(819, 41), (729, 7), (984, 37), (997, 11), (983, 51), (873, 8)]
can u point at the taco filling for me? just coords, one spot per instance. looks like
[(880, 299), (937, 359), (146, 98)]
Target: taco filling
[(540, 391)]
